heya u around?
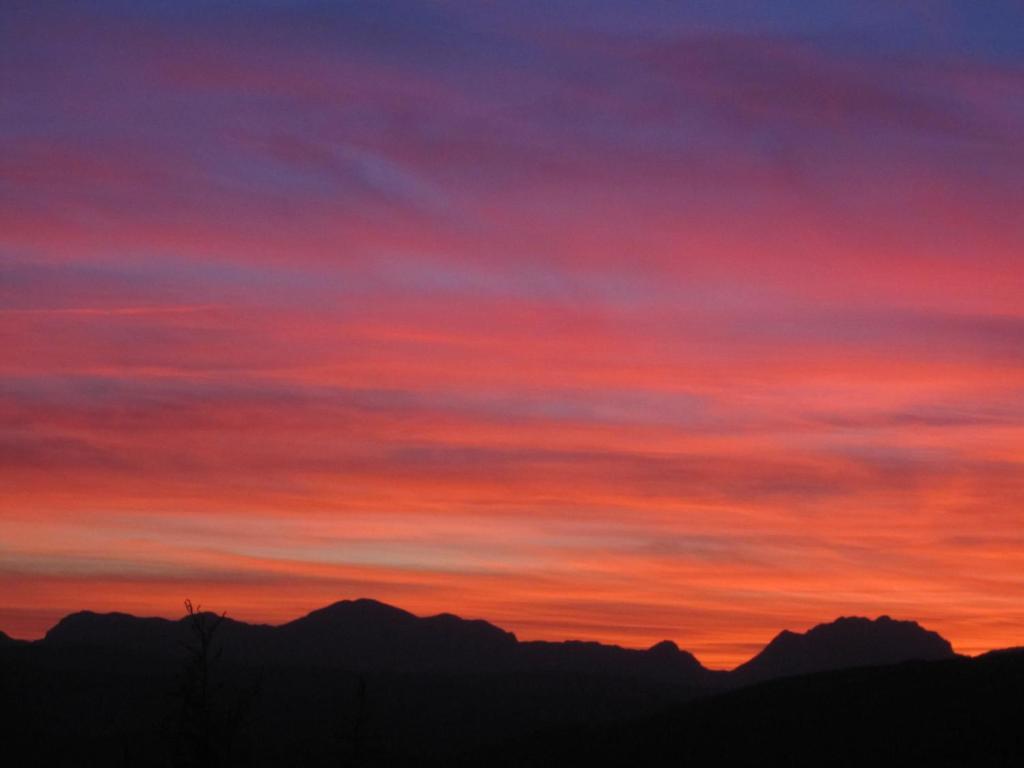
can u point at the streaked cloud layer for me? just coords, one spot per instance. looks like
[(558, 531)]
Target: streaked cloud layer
[(620, 321)]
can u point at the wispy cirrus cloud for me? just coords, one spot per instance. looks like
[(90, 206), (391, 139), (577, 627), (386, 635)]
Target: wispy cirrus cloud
[(690, 321)]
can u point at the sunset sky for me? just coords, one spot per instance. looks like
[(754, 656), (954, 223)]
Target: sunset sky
[(607, 320)]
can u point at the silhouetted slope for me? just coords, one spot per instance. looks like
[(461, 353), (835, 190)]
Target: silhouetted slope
[(98, 684), (664, 661), (366, 635), (152, 636), (1002, 652), (955, 712), (369, 635), (112, 630), (845, 642)]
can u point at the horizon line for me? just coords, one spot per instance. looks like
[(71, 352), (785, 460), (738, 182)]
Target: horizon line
[(517, 638)]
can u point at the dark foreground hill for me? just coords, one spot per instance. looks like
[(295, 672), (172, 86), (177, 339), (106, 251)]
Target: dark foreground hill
[(362, 683), (958, 712)]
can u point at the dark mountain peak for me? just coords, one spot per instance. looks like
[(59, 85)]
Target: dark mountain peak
[(152, 636), (664, 662), (369, 605), (478, 629), (447, 617), (371, 615), (666, 648), (849, 641), (90, 621), (112, 630), (883, 632), (669, 655), (361, 609), (89, 616), (367, 634)]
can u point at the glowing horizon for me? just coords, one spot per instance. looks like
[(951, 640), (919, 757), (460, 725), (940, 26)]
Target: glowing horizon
[(613, 321)]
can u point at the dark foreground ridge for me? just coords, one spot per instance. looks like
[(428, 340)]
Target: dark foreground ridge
[(955, 712), (363, 683)]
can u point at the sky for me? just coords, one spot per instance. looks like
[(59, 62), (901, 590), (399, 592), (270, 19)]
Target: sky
[(619, 321)]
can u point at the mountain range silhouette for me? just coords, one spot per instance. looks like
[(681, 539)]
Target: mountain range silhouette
[(367, 635), (363, 683)]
